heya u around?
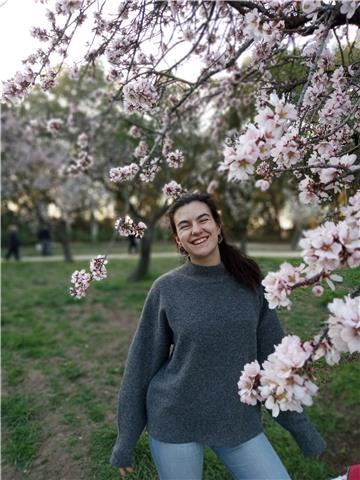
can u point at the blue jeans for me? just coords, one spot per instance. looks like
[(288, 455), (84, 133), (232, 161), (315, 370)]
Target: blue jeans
[(255, 459)]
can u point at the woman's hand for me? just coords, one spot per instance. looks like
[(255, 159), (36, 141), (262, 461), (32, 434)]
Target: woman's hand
[(125, 470)]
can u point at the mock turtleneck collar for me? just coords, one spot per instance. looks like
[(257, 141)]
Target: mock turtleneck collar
[(212, 271)]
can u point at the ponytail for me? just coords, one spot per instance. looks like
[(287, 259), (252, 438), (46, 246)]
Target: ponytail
[(245, 270)]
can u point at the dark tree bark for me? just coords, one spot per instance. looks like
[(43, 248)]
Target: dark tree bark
[(63, 236), (145, 244), (145, 253)]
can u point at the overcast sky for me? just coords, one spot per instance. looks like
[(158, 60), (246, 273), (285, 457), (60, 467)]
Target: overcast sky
[(16, 19), (16, 43)]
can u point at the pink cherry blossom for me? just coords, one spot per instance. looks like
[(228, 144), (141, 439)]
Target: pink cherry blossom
[(286, 152), (325, 349), (118, 48), (278, 285), (344, 324), (173, 189), (125, 173), (135, 132), (150, 169), (351, 211), (252, 24), (291, 352), (175, 159), (84, 160), (54, 125), (64, 7), (318, 290), (140, 96), (262, 184), (331, 246), (126, 226), (349, 7), (248, 382), (309, 6), (81, 280), (284, 110), (142, 149), (282, 388), (309, 191), (97, 267), (239, 161), (82, 140)]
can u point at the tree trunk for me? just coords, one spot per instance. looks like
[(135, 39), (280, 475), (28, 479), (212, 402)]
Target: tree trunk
[(145, 243), (243, 240), (296, 235), (145, 251), (94, 226), (66, 249), (63, 235)]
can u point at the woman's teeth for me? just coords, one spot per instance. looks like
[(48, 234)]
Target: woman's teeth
[(200, 241)]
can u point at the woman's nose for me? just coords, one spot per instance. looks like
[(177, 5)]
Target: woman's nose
[(195, 228)]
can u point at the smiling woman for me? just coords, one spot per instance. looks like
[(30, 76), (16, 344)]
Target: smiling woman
[(201, 324), (198, 234)]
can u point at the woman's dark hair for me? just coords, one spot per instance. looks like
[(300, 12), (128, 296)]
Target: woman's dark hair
[(243, 268)]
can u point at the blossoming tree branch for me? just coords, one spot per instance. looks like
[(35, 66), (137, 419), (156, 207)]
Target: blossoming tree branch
[(305, 127)]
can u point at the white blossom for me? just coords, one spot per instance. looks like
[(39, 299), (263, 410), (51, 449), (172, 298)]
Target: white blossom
[(326, 349), (122, 174), (175, 159), (54, 125), (248, 383), (344, 324), (348, 7), (82, 140), (97, 267), (126, 226), (140, 96), (81, 280), (173, 189), (64, 7)]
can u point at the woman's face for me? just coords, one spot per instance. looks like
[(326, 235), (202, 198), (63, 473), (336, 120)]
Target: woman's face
[(197, 231)]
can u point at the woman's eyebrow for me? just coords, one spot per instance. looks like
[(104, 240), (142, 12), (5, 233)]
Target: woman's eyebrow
[(197, 218)]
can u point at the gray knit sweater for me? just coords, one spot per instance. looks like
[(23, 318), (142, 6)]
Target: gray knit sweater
[(189, 393)]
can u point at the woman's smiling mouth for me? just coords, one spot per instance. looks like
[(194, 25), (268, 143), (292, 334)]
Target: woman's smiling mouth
[(199, 241)]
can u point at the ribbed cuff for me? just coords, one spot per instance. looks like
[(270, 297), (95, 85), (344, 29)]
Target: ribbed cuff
[(120, 458), (309, 440)]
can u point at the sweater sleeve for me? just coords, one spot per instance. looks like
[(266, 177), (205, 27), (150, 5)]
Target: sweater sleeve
[(270, 334), (148, 350)]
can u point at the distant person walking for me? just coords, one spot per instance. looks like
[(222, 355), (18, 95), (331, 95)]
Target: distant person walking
[(132, 244), (44, 239), (13, 243)]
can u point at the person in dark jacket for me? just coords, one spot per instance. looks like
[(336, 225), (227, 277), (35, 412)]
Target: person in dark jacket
[(44, 238), (132, 244), (13, 243)]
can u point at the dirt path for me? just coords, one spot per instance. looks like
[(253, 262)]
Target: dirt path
[(254, 250)]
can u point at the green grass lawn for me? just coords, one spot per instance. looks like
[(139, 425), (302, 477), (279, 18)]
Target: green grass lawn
[(63, 360)]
